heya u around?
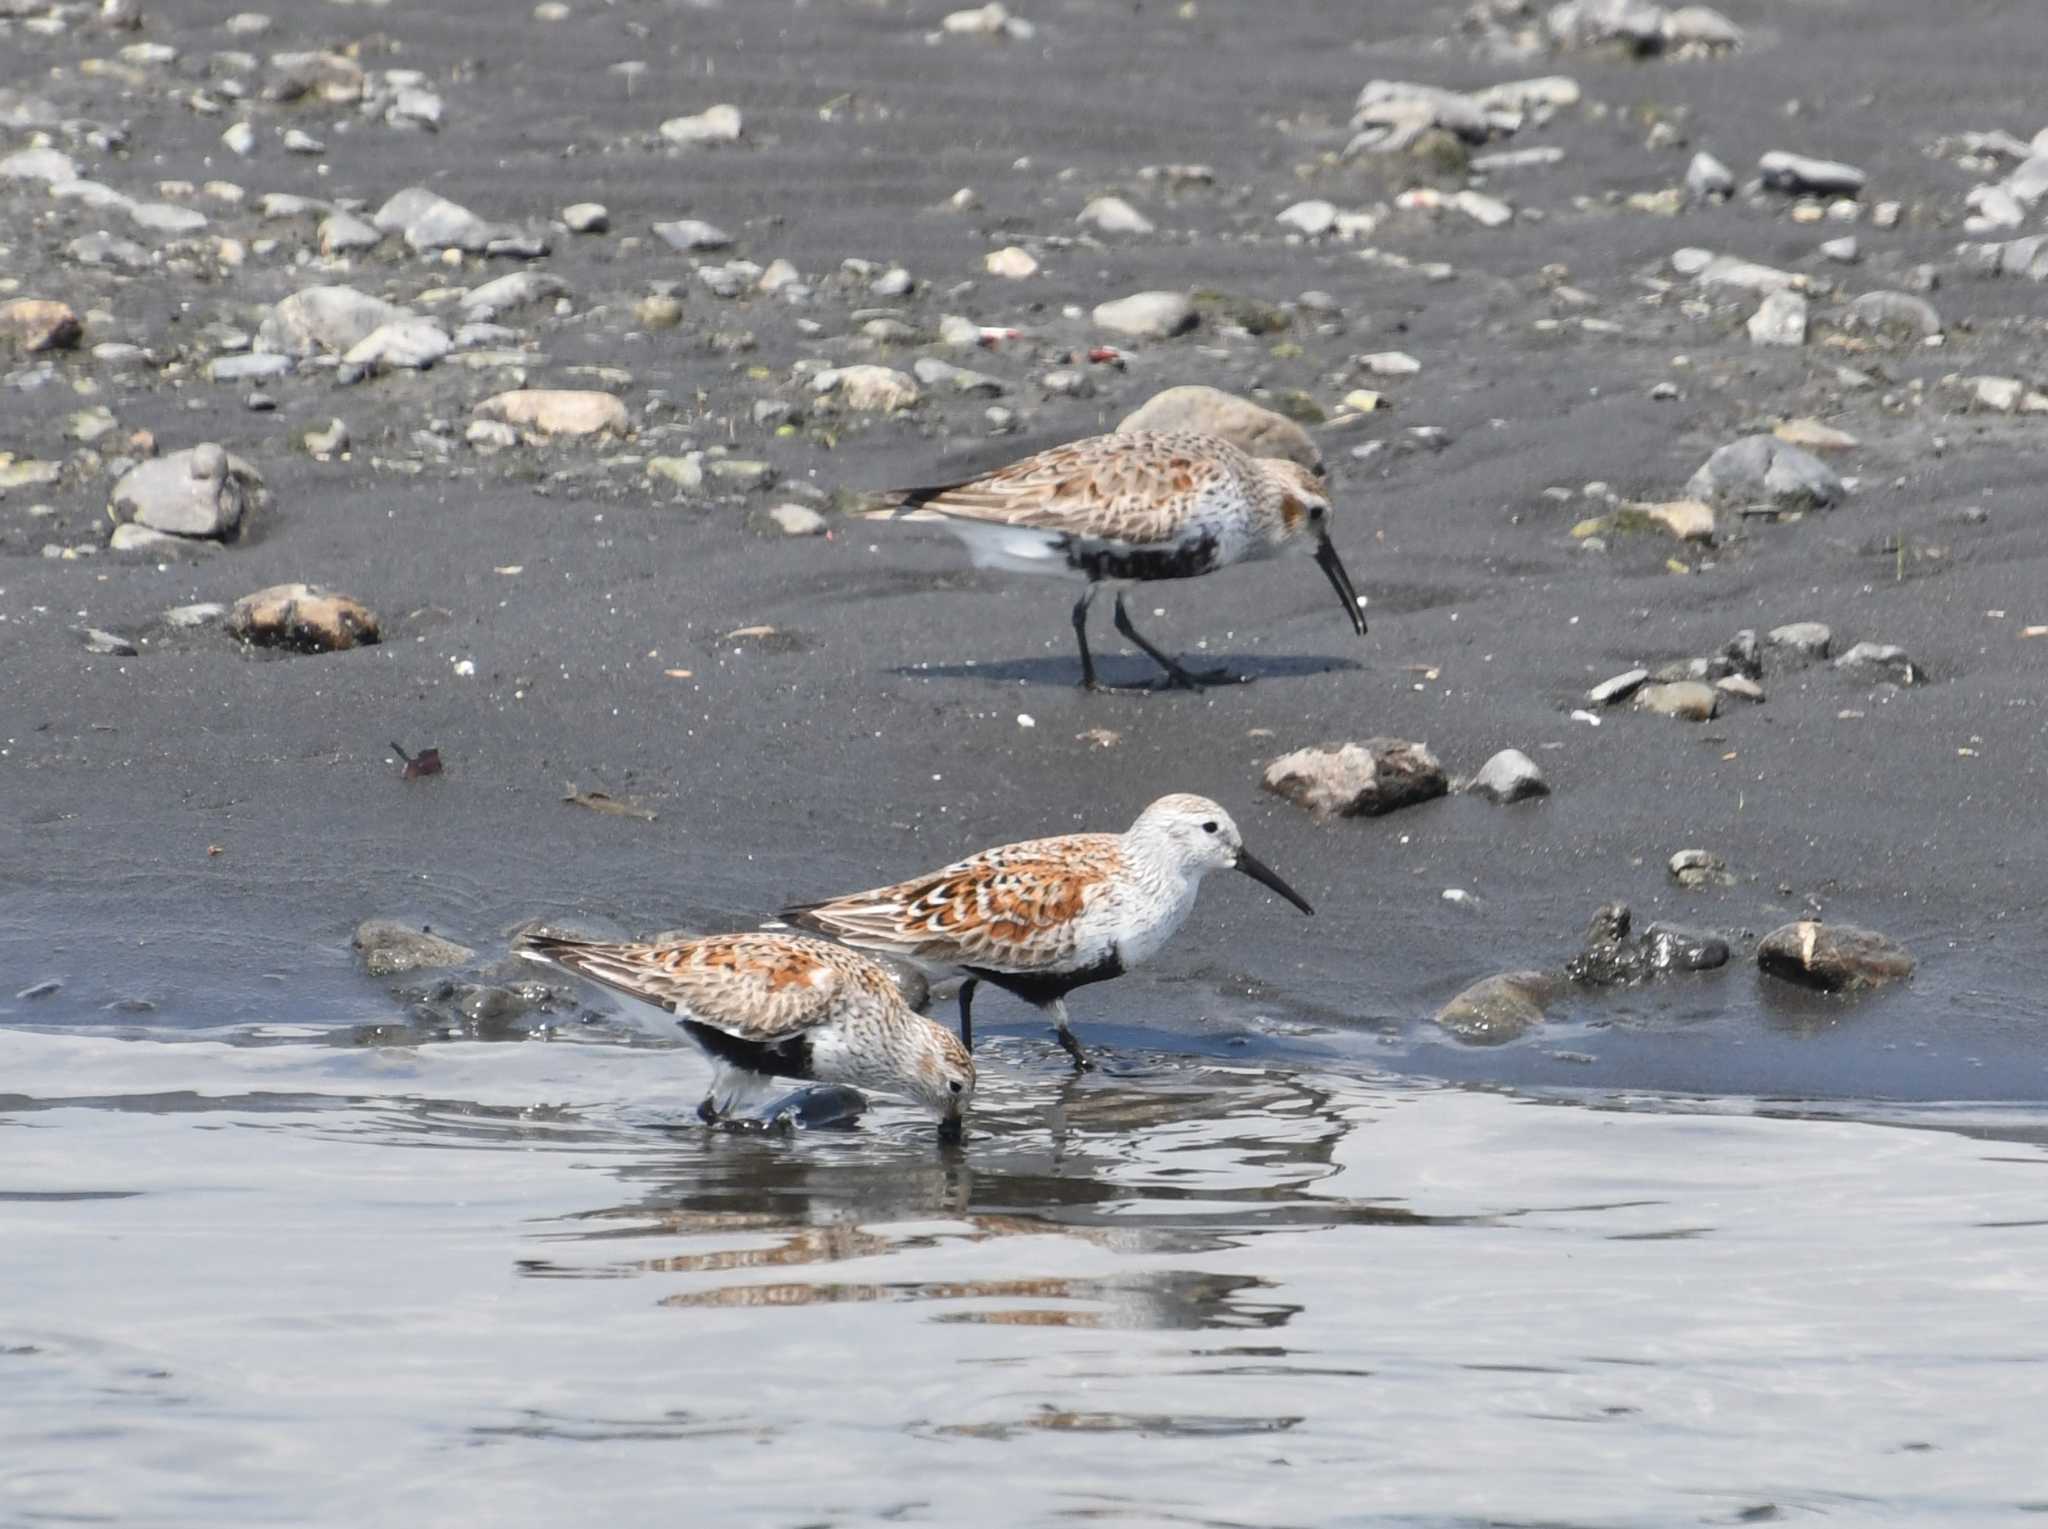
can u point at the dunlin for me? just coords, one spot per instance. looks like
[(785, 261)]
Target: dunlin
[(1125, 509), (767, 1006), (1044, 917)]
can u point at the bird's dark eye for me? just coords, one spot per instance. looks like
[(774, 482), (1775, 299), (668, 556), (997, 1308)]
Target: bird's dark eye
[(954, 1085), (1315, 511), (1209, 827)]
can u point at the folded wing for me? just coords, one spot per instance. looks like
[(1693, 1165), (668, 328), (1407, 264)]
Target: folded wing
[(1138, 489), (1012, 909), (761, 987)]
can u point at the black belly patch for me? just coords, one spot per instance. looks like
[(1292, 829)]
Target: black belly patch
[(1141, 563), (1041, 988), (789, 1058)]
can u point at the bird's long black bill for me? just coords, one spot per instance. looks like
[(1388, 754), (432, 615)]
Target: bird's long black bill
[(1260, 872), (1333, 567)]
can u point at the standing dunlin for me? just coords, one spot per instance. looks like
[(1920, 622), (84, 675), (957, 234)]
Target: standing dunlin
[(1131, 508), (1044, 917), (782, 1006)]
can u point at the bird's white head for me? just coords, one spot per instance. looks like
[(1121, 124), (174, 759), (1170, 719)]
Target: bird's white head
[(1191, 831), (942, 1077), (1197, 836), (1297, 503), (1297, 514)]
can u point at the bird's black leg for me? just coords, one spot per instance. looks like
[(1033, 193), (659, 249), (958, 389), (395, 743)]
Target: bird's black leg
[(1175, 674), (707, 1111), (967, 1010), (1089, 681), (1068, 1044)]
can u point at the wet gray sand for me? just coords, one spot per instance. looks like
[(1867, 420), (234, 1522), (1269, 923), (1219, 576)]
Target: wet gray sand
[(190, 835)]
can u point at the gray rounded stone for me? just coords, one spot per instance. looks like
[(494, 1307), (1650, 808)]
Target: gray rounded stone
[(1895, 313), (1807, 639), (388, 947), (1799, 173), (199, 491), (1510, 776), (1764, 469), (1148, 315)]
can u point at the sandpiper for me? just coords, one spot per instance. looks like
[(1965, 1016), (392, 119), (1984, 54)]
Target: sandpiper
[(1044, 917), (767, 1006), (1125, 509)]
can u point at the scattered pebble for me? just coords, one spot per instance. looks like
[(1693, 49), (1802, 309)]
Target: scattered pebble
[(870, 389), (1510, 776), (1834, 958), (428, 221), (991, 20), (1779, 320), (1210, 411), (795, 520), (1707, 179), (1887, 659), (1799, 174), (1687, 700), (690, 235), (303, 618), (31, 326), (388, 947), (1357, 779), (343, 233), (1011, 263), (558, 411), (958, 380), (1895, 313), (1501, 1008), (413, 343), (200, 491), (328, 441), (1312, 218), (1613, 691), (659, 311), (1763, 469), (1700, 868), (1114, 215), (1807, 639), (713, 125), (1147, 315)]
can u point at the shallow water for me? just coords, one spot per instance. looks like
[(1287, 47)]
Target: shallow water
[(254, 1276)]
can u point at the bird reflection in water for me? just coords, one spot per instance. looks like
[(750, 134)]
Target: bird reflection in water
[(1230, 1155)]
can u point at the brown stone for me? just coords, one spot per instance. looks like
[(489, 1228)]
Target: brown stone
[(559, 411), (34, 324), (302, 617), (1357, 779), (1499, 1008), (1835, 958), (1688, 700), (1244, 424)]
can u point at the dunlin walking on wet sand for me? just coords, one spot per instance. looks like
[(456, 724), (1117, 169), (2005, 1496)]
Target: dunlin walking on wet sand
[(1125, 509), (765, 1006), (1044, 917)]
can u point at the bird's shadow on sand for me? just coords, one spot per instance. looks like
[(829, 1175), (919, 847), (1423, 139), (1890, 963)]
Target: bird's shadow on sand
[(1136, 673)]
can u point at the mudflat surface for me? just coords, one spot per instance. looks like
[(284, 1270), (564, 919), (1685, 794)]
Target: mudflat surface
[(190, 835), (879, 729)]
